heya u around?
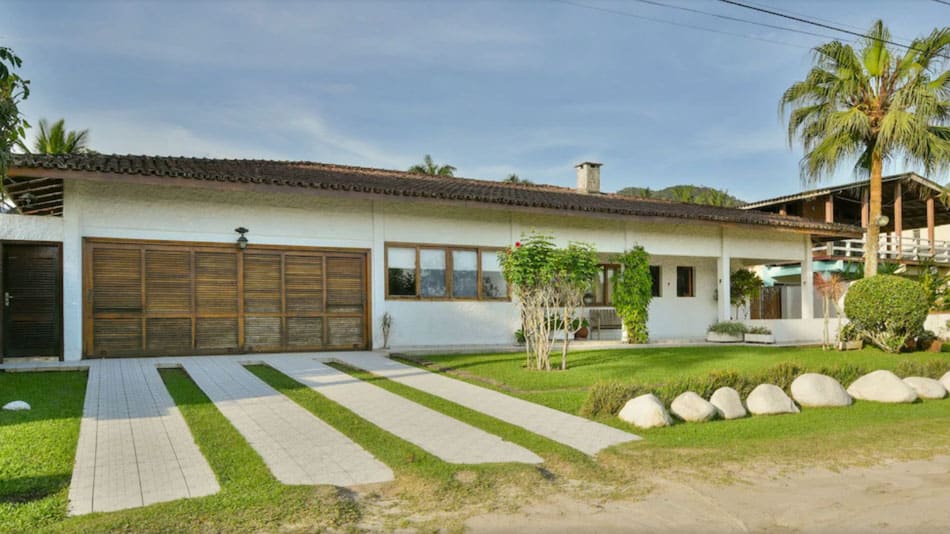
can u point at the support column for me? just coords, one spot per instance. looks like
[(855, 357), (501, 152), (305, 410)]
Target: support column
[(808, 277), (724, 304), (930, 225), (830, 209), (897, 245), (72, 273)]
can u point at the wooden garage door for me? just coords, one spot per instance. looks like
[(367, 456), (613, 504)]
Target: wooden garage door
[(155, 298)]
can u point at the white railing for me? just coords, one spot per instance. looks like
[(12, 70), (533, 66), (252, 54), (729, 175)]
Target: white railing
[(917, 249)]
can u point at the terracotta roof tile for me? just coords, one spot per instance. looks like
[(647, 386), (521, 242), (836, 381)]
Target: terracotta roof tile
[(404, 184)]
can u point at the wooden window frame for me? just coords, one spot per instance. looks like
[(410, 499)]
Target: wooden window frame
[(447, 249), (691, 287), (606, 283)]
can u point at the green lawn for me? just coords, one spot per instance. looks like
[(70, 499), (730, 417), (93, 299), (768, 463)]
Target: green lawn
[(37, 447), (567, 390)]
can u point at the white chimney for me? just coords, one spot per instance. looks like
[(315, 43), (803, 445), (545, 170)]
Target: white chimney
[(588, 177)]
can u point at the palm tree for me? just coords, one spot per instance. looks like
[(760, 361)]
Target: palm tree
[(873, 104), (429, 167), (56, 139)]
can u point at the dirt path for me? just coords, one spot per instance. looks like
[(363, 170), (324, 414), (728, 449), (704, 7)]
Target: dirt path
[(893, 497)]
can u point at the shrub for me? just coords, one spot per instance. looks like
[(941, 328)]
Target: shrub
[(934, 368), (609, 397), (732, 328), (887, 309), (761, 330)]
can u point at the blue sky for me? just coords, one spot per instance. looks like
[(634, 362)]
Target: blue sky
[(530, 87)]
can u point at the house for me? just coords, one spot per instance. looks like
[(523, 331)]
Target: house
[(915, 230), (113, 256)]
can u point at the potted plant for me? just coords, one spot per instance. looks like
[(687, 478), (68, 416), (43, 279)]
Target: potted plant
[(849, 338), (726, 332), (927, 340), (759, 334), (581, 328)]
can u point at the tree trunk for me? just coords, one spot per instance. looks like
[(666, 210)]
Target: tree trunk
[(566, 341), (874, 214)]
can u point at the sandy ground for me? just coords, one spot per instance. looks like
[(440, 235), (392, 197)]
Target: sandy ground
[(893, 497)]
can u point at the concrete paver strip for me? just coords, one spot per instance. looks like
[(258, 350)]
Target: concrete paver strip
[(298, 447), (582, 434), (439, 434), (134, 446)]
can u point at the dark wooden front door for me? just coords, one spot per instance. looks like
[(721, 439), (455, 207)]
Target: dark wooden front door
[(31, 299)]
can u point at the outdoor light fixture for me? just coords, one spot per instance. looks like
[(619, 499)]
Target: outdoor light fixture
[(242, 241), (26, 200), (883, 220)]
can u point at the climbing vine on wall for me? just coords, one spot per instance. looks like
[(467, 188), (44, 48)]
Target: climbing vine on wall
[(633, 290)]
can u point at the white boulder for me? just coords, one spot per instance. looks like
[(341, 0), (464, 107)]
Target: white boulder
[(882, 386), (645, 411), (728, 402), (16, 406), (812, 389), (769, 399), (945, 380), (691, 407), (926, 388)]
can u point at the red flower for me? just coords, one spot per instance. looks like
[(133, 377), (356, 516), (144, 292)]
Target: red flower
[(517, 244)]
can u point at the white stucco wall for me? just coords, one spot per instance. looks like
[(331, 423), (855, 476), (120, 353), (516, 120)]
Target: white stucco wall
[(30, 228), (166, 213)]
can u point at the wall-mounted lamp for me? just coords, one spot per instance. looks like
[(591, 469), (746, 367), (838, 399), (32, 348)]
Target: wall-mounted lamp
[(883, 220), (242, 241)]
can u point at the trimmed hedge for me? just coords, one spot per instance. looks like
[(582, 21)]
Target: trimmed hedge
[(887, 309), (608, 397)]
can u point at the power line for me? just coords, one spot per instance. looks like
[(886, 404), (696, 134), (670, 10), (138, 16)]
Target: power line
[(820, 25), (944, 2), (680, 24), (733, 19)]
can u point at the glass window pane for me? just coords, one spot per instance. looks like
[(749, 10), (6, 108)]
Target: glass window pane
[(609, 297), (599, 288), (464, 273), (402, 272), (493, 281), (432, 274), (402, 258)]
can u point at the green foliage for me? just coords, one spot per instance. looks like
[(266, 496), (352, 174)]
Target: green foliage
[(13, 91), (743, 284), (761, 330), (887, 309), (934, 368), (686, 193), (633, 290), (935, 284), (528, 265), (514, 179), (56, 139), (430, 168), (730, 328)]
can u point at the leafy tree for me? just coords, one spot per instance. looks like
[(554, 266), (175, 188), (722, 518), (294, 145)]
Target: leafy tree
[(56, 139), (429, 167), (873, 104), (13, 90), (514, 179), (529, 272), (633, 290), (743, 285), (574, 267)]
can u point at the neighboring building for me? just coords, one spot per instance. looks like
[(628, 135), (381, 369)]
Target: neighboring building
[(115, 256)]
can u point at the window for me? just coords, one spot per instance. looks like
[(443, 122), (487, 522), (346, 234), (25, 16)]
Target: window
[(402, 271), (603, 286), (657, 281), (465, 274), (494, 285), (439, 273), (684, 282)]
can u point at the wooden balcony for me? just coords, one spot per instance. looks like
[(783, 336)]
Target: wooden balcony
[(906, 250)]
